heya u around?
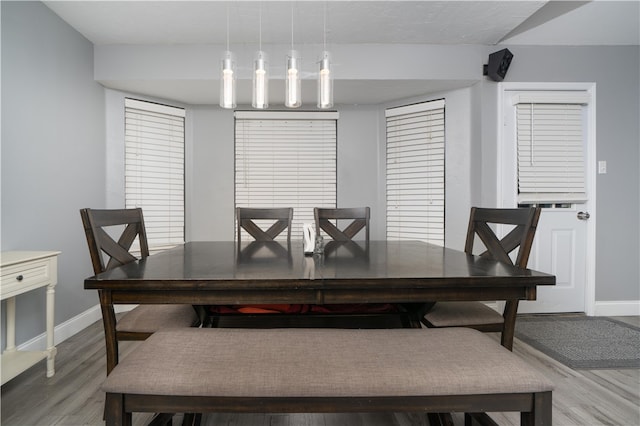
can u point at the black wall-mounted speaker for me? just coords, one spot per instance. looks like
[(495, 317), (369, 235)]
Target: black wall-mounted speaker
[(498, 65)]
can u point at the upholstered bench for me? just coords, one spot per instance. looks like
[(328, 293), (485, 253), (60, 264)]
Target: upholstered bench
[(324, 370)]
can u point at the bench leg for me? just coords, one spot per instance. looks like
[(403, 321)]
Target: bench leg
[(114, 411), (192, 419), (541, 414), (481, 419), (440, 419), (161, 419)]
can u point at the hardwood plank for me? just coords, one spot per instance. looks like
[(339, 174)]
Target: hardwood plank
[(73, 395)]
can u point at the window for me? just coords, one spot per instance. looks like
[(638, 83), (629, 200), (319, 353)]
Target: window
[(551, 159), (415, 172), (286, 159), (154, 169)]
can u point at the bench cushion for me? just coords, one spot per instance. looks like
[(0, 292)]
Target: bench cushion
[(151, 318), (461, 314), (322, 362)]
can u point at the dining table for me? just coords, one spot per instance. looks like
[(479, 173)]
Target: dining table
[(416, 273), (227, 273)]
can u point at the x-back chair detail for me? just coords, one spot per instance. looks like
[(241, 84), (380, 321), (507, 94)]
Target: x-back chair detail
[(360, 217), (476, 314), (246, 217)]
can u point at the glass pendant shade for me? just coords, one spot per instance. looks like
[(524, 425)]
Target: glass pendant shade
[(228, 81), (325, 82), (293, 95), (260, 98)]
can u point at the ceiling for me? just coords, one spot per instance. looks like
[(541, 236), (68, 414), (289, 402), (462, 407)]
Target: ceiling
[(347, 22)]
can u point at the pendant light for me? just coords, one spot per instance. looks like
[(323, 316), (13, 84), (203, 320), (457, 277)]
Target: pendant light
[(260, 98), (293, 95), (325, 77), (325, 82), (228, 76)]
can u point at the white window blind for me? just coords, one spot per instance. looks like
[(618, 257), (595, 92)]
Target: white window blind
[(551, 160), (415, 172), (154, 169), (286, 159)]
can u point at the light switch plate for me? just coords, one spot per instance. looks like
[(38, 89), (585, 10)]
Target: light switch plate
[(602, 167)]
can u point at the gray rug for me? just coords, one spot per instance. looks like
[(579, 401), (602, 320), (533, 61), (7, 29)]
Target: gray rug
[(582, 342)]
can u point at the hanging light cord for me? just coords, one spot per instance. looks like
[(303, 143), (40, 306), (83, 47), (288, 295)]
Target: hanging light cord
[(324, 27), (260, 27), (291, 26), (227, 27)]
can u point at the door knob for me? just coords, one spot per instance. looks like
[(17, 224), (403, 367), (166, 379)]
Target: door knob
[(583, 215)]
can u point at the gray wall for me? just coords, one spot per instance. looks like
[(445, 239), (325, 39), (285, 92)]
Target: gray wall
[(471, 156), (57, 137), (359, 166), (52, 153), (616, 72), (211, 193)]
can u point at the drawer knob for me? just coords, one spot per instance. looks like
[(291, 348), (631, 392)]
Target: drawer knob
[(19, 278)]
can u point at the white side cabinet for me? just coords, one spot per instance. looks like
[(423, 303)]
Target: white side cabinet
[(21, 272)]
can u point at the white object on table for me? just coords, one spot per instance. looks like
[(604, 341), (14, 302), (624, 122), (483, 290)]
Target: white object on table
[(21, 272), (308, 238)]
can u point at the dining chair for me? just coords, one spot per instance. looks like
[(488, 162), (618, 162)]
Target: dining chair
[(281, 218), (264, 225), (347, 226), (477, 315), (142, 321), (327, 220)]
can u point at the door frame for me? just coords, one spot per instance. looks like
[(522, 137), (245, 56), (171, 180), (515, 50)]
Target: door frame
[(590, 166)]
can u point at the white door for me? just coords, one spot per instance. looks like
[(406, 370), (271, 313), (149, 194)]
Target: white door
[(561, 245), (559, 248)]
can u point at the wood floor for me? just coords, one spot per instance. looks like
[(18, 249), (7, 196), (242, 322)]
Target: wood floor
[(73, 396)]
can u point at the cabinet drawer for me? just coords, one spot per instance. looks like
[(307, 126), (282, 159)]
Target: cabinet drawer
[(23, 277)]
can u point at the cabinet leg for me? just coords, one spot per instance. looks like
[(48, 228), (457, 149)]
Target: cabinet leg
[(11, 325), (51, 349)]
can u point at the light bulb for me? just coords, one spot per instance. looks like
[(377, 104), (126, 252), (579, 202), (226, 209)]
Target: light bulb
[(260, 83), (293, 98), (228, 82), (325, 89), (260, 77)]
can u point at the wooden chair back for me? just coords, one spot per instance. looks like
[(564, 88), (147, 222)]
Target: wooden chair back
[(96, 222), (99, 227), (245, 217), (524, 222), (359, 216)]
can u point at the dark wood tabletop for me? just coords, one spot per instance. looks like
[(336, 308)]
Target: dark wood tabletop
[(381, 271)]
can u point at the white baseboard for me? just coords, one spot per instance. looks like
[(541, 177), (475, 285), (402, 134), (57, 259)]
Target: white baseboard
[(68, 328), (617, 308)]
